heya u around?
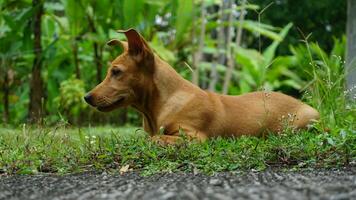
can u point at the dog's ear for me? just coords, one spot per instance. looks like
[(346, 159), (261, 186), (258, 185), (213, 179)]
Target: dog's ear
[(136, 43), (115, 42)]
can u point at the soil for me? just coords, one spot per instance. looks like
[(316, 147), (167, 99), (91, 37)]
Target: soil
[(270, 184)]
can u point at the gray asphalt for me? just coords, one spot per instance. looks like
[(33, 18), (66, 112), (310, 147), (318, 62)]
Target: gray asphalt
[(270, 184)]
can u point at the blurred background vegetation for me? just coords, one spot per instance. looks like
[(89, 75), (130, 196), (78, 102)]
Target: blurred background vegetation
[(53, 51)]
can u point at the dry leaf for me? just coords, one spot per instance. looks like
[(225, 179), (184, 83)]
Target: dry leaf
[(124, 169)]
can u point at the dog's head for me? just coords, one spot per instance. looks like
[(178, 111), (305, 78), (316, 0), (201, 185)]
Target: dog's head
[(127, 76)]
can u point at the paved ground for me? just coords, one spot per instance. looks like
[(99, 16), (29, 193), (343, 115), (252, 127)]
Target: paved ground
[(317, 184)]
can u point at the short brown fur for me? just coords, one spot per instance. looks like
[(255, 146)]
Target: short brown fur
[(141, 79)]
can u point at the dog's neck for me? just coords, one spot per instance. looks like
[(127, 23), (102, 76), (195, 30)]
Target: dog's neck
[(165, 83)]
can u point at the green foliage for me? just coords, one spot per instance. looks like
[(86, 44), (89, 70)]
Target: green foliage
[(326, 90), (15, 45), (132, 12), (255, 67), (70, 99), (75, 16), (321, 18), (183, 19), (264, 29)]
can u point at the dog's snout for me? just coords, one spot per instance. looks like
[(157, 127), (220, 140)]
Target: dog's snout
[(89, 98)]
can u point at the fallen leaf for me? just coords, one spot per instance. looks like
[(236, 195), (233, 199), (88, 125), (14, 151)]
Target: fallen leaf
[(124, 169)]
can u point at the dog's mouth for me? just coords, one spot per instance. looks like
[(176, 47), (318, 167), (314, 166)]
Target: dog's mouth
[(112, 106)]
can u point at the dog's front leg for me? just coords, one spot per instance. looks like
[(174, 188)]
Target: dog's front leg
[(178, 137), (167, 139)]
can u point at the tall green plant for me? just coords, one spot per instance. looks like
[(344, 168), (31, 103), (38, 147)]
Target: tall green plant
[(326, 89), (255, 65), (70, 99)]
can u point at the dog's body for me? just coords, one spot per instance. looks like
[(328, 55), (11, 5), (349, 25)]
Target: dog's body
[(172, 104)]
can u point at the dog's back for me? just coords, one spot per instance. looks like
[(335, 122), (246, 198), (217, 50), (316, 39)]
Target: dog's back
[(257, 112), (254, 113)]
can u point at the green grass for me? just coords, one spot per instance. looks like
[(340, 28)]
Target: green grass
[(29, 150)]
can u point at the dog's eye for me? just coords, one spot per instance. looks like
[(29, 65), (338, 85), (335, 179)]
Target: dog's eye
[(116, 72)]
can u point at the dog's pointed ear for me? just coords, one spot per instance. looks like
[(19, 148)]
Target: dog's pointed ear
[(136, 43), (115, 42)]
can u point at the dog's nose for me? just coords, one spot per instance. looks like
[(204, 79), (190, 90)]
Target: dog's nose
[(89, 98)]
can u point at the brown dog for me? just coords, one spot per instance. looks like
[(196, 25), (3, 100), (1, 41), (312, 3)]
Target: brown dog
[(172, 105)]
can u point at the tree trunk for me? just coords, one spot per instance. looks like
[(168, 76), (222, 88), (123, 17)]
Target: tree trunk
[(197, 56), (213, 74), (97, 52), (231, 55), (76, 59), (351, 48), (219, 57), (6, 91), (97, 61), (222, 32), (36, 84)]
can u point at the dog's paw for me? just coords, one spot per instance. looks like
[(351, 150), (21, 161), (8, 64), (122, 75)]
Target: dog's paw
[(164, 140)]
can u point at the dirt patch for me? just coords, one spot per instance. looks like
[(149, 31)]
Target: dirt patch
[(271, 184)]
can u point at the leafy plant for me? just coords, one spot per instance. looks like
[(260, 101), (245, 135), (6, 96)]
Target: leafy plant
[(256, 66), (70, 99), (326, 88)]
